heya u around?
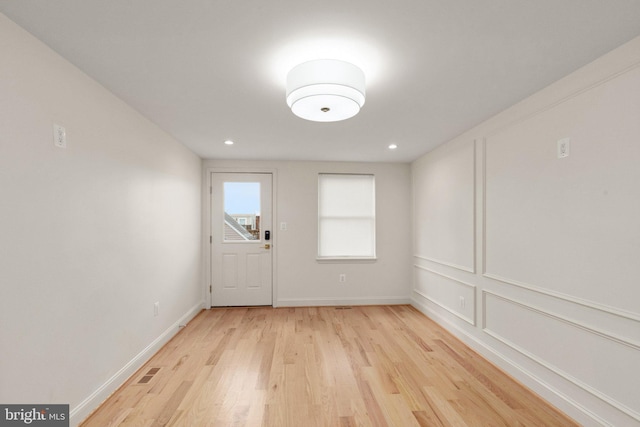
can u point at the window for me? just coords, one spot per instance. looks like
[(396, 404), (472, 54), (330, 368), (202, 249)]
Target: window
[(241, 198), (346, 216)]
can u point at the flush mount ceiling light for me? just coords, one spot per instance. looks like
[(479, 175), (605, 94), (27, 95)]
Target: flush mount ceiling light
[(325, 90)]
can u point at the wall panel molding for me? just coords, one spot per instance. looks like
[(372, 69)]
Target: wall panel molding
[(470, 320), (447, 264), (483, 206), (493, 259), (472, 245), (470, 285), (503, 360), (570, 330), (562, 100), (475, 208), (558, 371), (564, 297)]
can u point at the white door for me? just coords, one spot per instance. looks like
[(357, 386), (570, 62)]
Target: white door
[(241, 239)]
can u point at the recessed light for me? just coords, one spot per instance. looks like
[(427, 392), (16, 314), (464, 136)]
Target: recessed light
[(228, 142), (393, 146)]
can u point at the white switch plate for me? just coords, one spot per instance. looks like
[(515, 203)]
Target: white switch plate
[(564, 147), (156, 308), (59, 136), (283, 226)]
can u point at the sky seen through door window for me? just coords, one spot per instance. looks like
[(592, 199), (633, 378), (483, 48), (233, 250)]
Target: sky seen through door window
[(242, 198)]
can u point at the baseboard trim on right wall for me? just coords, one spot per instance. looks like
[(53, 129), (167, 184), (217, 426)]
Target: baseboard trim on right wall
[(560, 400)]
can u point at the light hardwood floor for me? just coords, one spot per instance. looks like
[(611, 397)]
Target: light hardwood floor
[(321, 366)]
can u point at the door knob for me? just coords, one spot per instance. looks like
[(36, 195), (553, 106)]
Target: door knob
[(267, 246)]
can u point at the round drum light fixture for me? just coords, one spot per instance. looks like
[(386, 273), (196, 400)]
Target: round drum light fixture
[(325, 90)]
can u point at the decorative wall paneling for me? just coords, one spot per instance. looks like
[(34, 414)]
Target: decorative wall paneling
[(447, 264), (556, 241), (568, 225), (436, 288), (566, 351), (450, 182)]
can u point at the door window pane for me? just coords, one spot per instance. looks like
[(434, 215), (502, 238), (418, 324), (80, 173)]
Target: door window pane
[(241, 211)]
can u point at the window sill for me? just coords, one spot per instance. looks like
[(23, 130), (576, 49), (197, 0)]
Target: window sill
[(346, 260)]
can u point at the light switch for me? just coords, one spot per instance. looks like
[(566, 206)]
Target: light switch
[(564, 147), (59, 136)]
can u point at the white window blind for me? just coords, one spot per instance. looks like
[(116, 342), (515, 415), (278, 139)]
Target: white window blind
[(346, 216)]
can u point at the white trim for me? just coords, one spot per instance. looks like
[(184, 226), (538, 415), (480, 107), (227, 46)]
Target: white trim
[(346, 260), (565, 297), (445, 276), (474, 266), (585, 303), (556, 370), (575, 323), (444, 307), (483, 208), (471, 321), (328, 301), (88, 405), (570, 96), (474, 203), (373, 218), (448, 264), (527, 377), (558, 295)]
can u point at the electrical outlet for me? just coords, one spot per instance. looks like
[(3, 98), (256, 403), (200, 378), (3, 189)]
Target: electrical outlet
[(156, 309), (342, 278)]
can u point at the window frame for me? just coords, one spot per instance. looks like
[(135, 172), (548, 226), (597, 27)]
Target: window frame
[(373, 218)]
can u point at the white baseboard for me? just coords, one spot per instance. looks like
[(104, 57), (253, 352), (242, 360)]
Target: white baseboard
[(84, 409), (313, 302), (565, 403)]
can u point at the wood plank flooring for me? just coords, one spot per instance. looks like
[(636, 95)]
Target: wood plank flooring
[(320, 366)]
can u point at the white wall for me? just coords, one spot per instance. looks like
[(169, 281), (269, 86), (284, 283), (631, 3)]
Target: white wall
[(301, 280), (90, 236), (544, 251)]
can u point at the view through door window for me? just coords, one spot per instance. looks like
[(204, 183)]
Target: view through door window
[(241, 211)]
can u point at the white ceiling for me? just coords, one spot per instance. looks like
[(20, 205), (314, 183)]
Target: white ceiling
[(210, 70)]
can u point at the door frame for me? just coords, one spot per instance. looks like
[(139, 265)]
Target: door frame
[(207, 230)]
